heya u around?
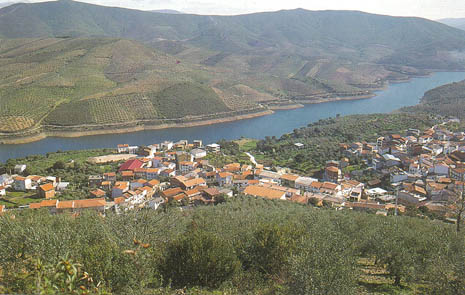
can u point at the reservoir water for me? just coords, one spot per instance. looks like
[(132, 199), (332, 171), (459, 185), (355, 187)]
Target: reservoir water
[(394, 97)]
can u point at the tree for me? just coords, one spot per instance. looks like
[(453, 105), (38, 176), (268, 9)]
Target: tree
[(59, 165), (270, 247), (321, 266), (199, 258)]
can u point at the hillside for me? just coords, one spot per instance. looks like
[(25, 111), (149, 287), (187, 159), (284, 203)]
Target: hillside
[(446, 100), (343, 46), (458, 23), (68, 64), (67, 82)]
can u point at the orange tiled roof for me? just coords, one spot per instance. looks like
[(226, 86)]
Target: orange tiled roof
[(289, 177), (34, 206), (127, 173), (329, 185), (171, 192), (48, 203), (98, 193), (47, 187), (264, 192), (119, 200), (194, 182), (332, 169)]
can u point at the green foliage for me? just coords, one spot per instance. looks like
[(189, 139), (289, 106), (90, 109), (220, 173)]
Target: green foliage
[(244, 246), (199, 258), (64, 277), (323, 264), (186, 99), (446, 100), (270, 247)]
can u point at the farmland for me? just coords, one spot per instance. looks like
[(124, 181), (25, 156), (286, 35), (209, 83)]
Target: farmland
[(73, 82)]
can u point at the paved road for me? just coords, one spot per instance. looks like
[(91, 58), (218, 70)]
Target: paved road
[(252, 158)]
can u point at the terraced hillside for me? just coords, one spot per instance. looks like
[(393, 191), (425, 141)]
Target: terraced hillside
[(67, 82), (296, 54), (66, 64)]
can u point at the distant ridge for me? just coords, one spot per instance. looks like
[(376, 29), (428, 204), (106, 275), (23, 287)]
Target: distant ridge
[(168, 11), (454, 22)]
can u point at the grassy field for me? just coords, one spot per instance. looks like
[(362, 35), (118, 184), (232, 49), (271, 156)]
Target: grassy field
[(16, 199)]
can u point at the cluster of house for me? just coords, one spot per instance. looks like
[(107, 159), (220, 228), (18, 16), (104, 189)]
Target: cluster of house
[(46, 187), (421, 168), (417, 168)]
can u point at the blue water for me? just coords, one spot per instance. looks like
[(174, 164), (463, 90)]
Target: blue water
[(394, 97)]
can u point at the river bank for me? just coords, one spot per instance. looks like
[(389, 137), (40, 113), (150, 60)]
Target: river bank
[(121, 130), (273, 123)]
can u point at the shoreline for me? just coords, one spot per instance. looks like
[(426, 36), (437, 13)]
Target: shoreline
[(74, 134), (129, 129)]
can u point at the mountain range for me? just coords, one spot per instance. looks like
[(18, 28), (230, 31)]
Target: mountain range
[(119, 65), (458, 23)]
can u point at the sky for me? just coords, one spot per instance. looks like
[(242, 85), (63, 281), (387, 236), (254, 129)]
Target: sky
[(432, 9)]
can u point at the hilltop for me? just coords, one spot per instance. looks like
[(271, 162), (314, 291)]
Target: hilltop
[(71, 66), (458, 23)]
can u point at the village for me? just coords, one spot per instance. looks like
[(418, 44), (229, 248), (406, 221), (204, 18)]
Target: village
[(418, 169)]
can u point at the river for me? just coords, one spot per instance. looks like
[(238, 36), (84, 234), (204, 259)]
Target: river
[(397, 95)]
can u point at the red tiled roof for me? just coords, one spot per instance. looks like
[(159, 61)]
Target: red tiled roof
[(131, 165)]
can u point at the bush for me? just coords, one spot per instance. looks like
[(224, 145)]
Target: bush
[(199, 258), (322, 266)]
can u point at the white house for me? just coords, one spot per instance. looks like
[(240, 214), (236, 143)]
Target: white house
[(152, 173), (155, 203), (391, 161), (440, 169), (213, 147), (167, 145), (22, 183), (304, 183), (398, 176), (119, 189), (157, 162), (270, 176), (20, 168), (198, 153), (6, 180)]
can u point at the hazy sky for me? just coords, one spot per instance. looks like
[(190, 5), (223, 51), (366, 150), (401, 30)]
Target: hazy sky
[(433, 9)]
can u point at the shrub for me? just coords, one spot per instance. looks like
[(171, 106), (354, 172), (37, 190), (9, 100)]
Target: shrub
[(199, 258)]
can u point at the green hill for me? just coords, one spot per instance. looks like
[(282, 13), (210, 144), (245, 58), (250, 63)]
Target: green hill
[(61, 56), (69, 82), (446, 100)]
